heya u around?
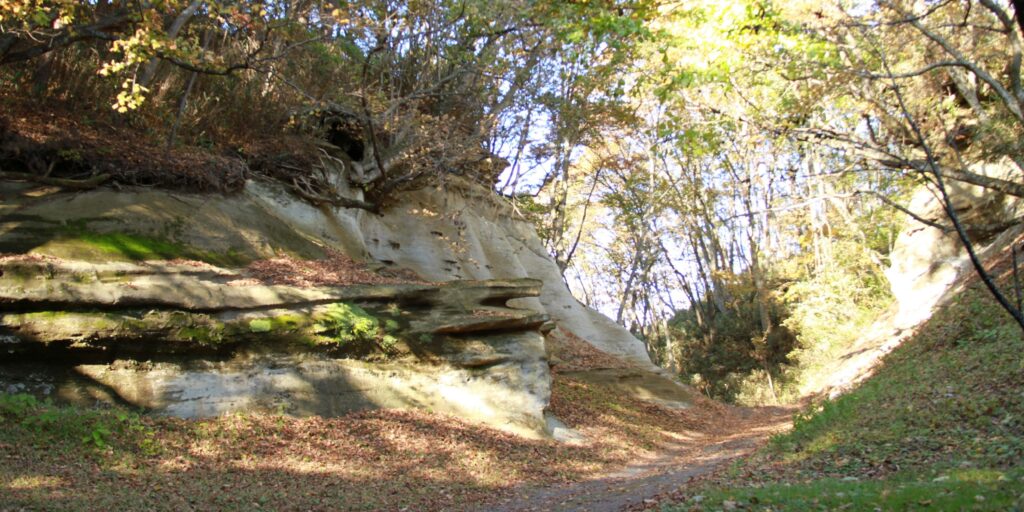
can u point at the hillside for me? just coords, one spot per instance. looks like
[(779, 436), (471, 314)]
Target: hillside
[(938, 426)]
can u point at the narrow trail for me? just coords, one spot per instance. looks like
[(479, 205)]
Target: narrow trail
[(742, 431)]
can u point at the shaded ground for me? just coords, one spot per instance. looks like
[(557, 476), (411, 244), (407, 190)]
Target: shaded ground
[(81, 459), (741, 432), (639, 439)]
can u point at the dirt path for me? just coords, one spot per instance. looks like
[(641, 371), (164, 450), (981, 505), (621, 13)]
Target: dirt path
[(743, 430)]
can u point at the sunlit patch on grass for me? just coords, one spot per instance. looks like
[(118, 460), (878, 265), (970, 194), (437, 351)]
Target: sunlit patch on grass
[(980, 476), (33, 482)]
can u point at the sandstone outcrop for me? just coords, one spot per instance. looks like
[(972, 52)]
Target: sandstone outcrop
[(104, 300), (192, 341), (927, 261)]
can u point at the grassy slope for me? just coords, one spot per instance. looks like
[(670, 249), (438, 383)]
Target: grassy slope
[(939, 426)]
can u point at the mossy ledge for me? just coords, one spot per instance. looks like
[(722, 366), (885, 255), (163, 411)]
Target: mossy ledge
[(142, 311), (195, 341)]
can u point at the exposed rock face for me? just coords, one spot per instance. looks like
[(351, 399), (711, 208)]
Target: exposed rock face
[(927, 261), (927, 264), (459, 232), (199, 340), (191, 341)]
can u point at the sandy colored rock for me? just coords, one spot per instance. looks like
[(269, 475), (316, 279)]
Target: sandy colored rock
[(457, 231), (927, 261), (189, 341)]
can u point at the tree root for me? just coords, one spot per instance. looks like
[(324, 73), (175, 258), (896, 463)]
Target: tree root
[(86, 184)]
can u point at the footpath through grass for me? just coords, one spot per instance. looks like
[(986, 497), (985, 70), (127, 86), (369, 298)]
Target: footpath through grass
[(940, 426)]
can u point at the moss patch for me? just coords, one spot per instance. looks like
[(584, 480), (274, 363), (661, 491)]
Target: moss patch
[(89, 245), (342, 329), (260, 325)]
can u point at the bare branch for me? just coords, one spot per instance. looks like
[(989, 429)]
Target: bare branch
[(85, 184)]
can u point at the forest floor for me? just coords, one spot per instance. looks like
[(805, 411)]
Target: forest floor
[(69, 458), (740, 432), (76, 458)]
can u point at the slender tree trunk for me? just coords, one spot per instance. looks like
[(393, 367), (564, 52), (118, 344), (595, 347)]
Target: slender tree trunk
[(179, 22)]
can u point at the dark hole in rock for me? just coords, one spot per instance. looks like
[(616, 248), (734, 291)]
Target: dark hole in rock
[(340, 134)]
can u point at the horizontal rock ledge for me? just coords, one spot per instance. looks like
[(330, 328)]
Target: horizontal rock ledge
[(199, 341), (47, 285)]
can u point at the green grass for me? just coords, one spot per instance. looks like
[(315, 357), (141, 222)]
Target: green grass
[(962, 490), (66, 428), (940, 424), (953, 389)]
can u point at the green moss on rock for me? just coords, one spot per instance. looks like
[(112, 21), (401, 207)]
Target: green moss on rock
[(89, 245), (260, 325)]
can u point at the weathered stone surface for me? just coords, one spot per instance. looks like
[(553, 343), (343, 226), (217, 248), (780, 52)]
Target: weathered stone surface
[(927, 261), (458, 231), (510, 396), (101, 308), (62, 283), (193, 342)]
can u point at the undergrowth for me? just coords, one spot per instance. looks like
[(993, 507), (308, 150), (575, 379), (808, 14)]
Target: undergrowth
[(45, 425)]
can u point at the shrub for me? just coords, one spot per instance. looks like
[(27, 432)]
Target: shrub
[(351, 325)]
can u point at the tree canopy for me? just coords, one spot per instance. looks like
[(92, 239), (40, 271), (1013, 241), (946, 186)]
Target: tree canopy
[(725, 178)]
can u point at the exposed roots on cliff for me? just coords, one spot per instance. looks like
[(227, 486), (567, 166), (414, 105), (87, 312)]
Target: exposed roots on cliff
[(62, 150)]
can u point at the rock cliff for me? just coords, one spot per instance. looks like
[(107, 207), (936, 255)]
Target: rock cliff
[(103, 297), (927, 261)]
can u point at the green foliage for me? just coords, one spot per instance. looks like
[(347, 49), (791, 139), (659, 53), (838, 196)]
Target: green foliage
[(347, 323), (28, 419), (388, 343), (17, 405), (829, 310), (718, 353), (352, 326), (821, 310)]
